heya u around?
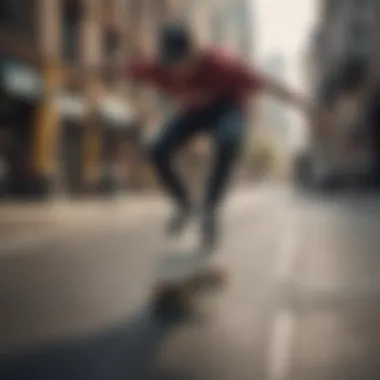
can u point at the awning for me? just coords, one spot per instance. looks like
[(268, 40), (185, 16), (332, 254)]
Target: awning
[(21, 80), (115, 113), (72, 106)]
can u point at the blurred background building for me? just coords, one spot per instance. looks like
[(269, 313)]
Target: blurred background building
[(226, 23), (60, 135), (271, 140), (342, 72), (276, 112), (64, 135), (277, 124)]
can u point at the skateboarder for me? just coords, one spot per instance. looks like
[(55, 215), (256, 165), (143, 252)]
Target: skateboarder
[(211, 91)]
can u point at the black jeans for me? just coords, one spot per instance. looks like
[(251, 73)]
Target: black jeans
[(226, 124)]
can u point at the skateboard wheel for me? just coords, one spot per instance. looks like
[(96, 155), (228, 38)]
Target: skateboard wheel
[(178, 299)]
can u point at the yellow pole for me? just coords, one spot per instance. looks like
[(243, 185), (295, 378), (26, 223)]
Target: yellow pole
[(47, 124), (92, 139)]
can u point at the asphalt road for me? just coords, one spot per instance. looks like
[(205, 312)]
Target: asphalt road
[(302, 302)]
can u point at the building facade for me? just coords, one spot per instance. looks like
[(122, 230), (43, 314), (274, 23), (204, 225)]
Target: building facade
[(63, 131), (225, 23), (343, 61), (345, 43), (276, 112), (79, 135)]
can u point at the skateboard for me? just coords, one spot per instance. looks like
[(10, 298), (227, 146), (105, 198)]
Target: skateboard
[(182, 282)]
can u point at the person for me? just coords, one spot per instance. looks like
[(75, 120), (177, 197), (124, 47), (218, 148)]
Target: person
[(211, 90)]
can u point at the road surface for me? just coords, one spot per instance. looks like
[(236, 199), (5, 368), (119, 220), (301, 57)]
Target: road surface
[(302, 301)]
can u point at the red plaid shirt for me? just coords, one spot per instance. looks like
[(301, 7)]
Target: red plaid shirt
[(216, 77)]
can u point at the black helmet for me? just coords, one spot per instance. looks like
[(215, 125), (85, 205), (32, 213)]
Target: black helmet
[(174, 42)]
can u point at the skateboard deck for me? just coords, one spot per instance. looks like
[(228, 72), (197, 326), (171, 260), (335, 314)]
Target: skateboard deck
[(182, 279)]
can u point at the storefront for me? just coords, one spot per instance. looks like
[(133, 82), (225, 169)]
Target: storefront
[(71, 143), (120, 145), (21, 91)]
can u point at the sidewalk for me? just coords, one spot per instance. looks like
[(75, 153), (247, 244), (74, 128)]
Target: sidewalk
[(25, 225), (17, 218)]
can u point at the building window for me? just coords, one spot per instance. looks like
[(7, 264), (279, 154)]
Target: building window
[(19, 16), (71, 20), (111, 42)]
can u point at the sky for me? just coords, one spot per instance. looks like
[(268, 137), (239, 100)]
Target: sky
[(283, 27)]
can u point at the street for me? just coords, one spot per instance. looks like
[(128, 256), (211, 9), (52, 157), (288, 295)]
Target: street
[(301, 302)]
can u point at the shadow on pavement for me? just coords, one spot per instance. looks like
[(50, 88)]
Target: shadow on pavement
[(123, 352)]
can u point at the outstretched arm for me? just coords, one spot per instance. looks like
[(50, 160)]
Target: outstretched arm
[(319, 120), (254, 80), (280, 91)]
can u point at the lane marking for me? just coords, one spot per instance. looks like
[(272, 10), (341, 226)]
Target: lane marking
[(283, 328), (285, 260), (281, 341)]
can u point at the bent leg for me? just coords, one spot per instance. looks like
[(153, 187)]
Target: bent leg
[(228, 136), (173, 135)]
